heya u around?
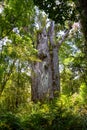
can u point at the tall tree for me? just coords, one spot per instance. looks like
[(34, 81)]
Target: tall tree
[(16, 49), (46, 77), (63, 10)]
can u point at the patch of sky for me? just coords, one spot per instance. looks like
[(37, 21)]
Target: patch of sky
[(3, 42)]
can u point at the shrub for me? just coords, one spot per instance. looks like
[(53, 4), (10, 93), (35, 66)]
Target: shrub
[(83, 93), (9, 121)]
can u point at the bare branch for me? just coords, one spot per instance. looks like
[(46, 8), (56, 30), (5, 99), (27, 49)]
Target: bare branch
[(65, 36)]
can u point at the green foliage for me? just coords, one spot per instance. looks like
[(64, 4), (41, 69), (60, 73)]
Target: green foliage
[(69, 111), (60, 114), (9, 121), (59, 11), (72, 62), (15, 14), (83, 93), (15, 44), (65, 113), (36, 122)]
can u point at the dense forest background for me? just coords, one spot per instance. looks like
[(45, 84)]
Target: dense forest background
[(43, 65)]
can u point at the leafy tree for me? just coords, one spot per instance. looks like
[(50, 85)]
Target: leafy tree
[(16, 52), (59, 11), (15, 14), (72, 63)]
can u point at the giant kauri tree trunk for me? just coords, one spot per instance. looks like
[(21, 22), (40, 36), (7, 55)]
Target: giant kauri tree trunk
[(45, 76), (42, 72)]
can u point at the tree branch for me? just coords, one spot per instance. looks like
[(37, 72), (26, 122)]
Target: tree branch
[(11, 27), (65, 36)]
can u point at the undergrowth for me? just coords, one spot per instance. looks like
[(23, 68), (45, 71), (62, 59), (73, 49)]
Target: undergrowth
[(64, 113)]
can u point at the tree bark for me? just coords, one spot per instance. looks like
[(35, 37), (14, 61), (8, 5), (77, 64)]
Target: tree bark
[(45, 76), (54, 61), (42, 73)]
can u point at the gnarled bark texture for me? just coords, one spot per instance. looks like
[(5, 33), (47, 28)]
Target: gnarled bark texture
[(45, 77), (54, 61), (42, 72)]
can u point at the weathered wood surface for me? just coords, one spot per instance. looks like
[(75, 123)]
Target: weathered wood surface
[(45, 76), (42, 75)]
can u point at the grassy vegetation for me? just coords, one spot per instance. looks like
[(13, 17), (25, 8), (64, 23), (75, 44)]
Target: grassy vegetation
[(66, 113)]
